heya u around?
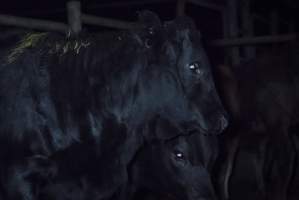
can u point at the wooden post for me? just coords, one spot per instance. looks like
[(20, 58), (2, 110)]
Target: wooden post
[(180, 7), (233, 29), (74, 17), (247, 28)]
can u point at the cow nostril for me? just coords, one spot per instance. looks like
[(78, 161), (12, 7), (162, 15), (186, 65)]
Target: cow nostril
[(223, 122)]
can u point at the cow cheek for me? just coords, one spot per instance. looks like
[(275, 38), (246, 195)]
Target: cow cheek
[(210, 112)]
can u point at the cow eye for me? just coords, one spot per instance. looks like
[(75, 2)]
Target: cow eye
[(179, 155), (180, 159), (195, 68)]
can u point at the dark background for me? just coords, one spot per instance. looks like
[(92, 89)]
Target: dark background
[(208, 21)]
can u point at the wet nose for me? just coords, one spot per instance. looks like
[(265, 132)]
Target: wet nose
[(223, 123), (220, 123)]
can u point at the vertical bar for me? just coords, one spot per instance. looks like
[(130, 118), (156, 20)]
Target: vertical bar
[(291, 28), (180, 9), (74, 17), (274, 23), (225, 33), (233, 29), (248, 29)]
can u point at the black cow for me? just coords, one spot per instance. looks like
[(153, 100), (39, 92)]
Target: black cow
[(178, 166), (77, 106), (262, 97), (174, 168)]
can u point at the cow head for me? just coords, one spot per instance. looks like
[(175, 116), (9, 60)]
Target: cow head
[(175, 55), (172, 79), (104, 93), (175, 168)]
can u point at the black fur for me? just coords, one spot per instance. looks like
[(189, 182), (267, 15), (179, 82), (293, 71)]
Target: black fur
[(73, 111)]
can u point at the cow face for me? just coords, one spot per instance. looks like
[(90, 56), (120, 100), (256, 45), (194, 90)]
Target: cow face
[(175, 51), (175, 167), (195, 74)]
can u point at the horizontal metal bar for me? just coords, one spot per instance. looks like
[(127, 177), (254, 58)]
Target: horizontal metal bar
[(47, 25), (95, 6), (207, 4), (128, 3), (111, 23), (254, 40), (31, 23), (266, 20)]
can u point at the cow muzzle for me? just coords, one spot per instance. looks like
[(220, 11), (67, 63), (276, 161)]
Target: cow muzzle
[(222, 123)]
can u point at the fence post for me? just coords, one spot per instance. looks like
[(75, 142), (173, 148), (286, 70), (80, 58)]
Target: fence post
[(232, 12), (180, 7), (74, 17), (274, 23), (247, 28)]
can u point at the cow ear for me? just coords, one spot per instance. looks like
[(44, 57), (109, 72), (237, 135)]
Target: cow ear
[(183, 38), (151, 28), (170, 52), (184, 22), (149, 19)]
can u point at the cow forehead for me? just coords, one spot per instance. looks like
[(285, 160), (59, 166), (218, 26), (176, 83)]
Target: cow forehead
[(176, 31)]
